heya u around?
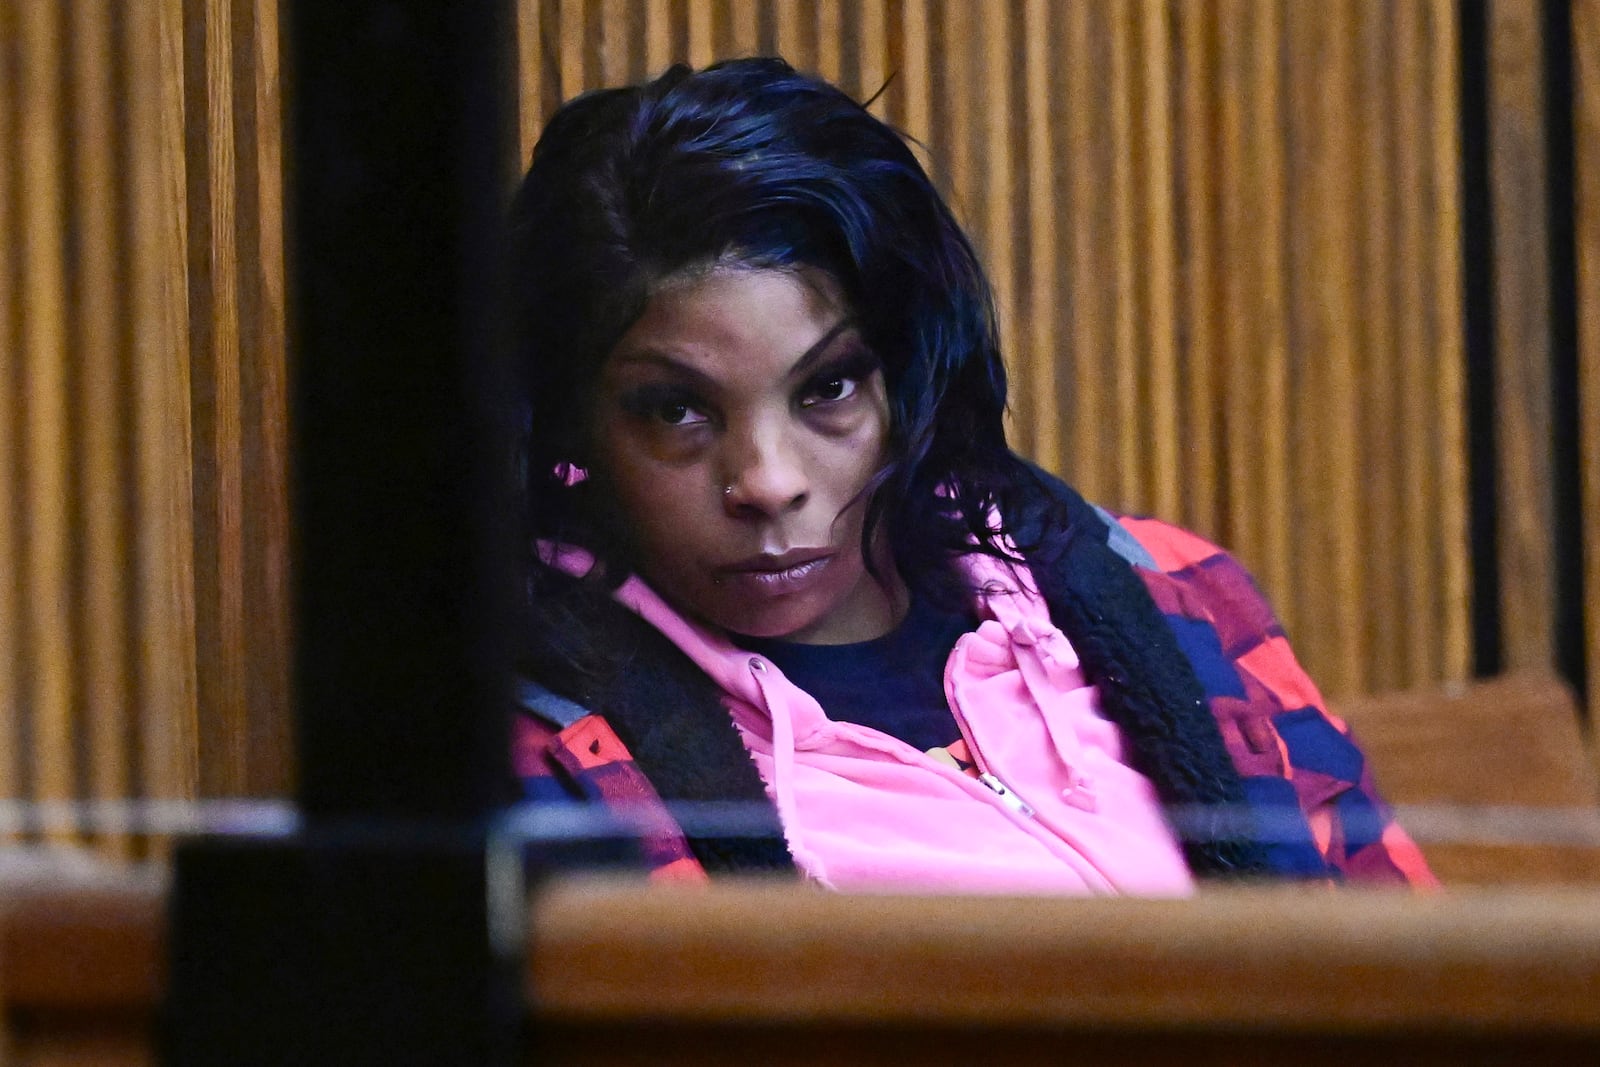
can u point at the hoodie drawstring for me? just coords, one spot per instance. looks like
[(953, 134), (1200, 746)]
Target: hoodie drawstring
[(1048, 665)]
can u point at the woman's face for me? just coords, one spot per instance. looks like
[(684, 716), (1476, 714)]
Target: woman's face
[(738, 422)]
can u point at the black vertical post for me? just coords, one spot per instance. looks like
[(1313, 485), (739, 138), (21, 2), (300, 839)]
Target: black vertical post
[(383, 930), (398, 159)]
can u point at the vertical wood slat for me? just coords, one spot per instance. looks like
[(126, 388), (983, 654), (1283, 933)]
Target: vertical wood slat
[(1518, 177), (1454, 609), (165, 692), (789, 36), (990, 47), (1325, 357), (830, 53), (96, 298), (13, 758), (744, 29), (616, 43), (1162, 445), (702, 33), (1413, 331), (1128, 314), (1244, 284), (531, 111), (872, 61), (572, 71), (1042, 310), (1379, 458), (658, 41), (1199, 285), (49, 586), (917, 77), (1271, 339), (1585, 28), (216, 404), (1087, 213), (267, 467), (953, 109)]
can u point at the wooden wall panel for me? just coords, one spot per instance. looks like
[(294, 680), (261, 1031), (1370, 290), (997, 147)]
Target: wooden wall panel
[(1225, 239), (144, 538)]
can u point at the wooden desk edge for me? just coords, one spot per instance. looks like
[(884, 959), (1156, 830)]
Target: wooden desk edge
[(84, 943), (1258, 960), (1267, 959)]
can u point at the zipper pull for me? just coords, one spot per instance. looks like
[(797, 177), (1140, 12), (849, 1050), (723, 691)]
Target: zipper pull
[(1007, 797)]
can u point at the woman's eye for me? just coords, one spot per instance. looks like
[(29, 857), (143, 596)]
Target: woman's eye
[(663, 408), (678, 414), (830, 390)]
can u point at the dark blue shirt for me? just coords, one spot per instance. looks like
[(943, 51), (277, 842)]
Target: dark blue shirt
[(894, 683)]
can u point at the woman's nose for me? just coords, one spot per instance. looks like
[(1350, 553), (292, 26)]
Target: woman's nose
[(765, 474)]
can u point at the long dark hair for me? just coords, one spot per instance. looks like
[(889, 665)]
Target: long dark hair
[(753, 162)]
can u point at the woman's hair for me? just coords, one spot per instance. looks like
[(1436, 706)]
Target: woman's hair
[(753, 163)]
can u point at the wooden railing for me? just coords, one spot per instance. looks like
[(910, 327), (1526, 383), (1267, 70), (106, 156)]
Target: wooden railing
[(749, 973)]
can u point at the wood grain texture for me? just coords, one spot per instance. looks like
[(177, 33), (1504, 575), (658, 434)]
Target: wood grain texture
[(13, 756), (1263, 960), (1414, 332), (169, 726), (50, 589), (1378, 394), (145, 450), (1162, 447), (1489, 757), (266, 529), (1586, 139), (1452, 549), (102, 440), (1043, 299), (991, 142), (215, 402), (1225, 244), (1127, 314), (1518, 167), (621, 973), (1087, 217)]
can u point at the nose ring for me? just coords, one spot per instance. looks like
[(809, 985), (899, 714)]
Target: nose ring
[(727, 490)]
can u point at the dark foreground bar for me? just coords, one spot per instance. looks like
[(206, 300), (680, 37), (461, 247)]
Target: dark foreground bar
[(365, 935)]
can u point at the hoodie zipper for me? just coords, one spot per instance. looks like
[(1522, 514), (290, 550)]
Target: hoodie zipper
[(1005, 794), (1003, 791)]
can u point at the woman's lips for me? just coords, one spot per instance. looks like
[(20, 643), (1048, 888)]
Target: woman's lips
[(775, 576)]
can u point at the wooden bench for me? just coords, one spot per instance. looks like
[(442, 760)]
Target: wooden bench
[(1495, 779)]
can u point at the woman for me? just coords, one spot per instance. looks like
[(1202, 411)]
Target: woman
[(786, 557)]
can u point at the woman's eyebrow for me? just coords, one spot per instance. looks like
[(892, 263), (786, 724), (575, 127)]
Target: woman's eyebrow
[(813, 355), (808, 359), (653, 357)]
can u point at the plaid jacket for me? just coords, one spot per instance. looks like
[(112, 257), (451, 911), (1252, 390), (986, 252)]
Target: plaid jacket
[(1308, 797)]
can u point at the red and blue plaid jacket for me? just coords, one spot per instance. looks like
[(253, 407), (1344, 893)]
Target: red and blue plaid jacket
[(1299, 765)]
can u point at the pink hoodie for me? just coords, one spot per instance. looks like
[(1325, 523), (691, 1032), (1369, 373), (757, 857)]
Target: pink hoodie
[(1054, 811)]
